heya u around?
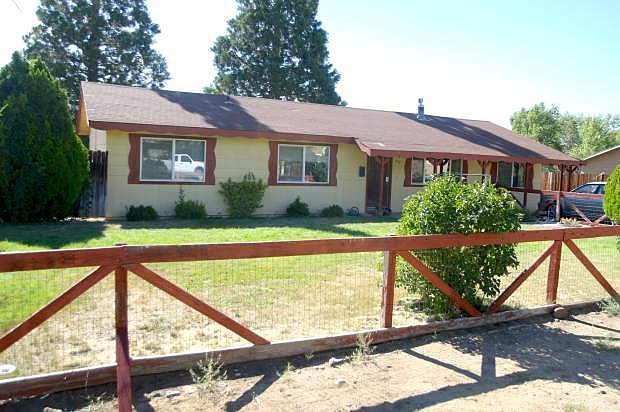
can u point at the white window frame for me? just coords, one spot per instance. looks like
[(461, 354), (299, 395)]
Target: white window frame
[(512, 174), (303, 164), (426, 178), (172, 179)]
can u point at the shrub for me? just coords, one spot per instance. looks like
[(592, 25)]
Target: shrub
[(332, 211), (297, 208), (244, 197), (43, 163), (138, 213), (189, 209), (611, 202), (449, 206)]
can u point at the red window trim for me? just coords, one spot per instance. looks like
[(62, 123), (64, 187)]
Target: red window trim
[(273, 164), (134, 160)]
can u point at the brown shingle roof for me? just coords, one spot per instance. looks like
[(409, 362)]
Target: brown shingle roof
[(375, 132)]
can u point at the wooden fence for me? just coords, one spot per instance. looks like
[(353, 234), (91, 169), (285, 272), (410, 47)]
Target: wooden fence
[(550, 181), (92, 200), (123, 259)]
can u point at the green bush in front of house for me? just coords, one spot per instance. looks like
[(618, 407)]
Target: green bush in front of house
[(611, 201), (43, 163), (297, 208), (332, 211), (447, 205), (244, 197), (140, 213), (189, 209)]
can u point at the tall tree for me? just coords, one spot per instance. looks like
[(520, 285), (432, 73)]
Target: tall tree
[(540, 123), (97, 40), (569, 132), (275, 49), (43, 163), (596, 134)]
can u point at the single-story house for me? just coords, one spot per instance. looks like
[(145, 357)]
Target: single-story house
[(605, 161), (158, 141)]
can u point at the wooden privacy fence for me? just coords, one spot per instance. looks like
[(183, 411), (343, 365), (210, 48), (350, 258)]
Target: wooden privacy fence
[(553, 181), (92, 200), (123, 259)]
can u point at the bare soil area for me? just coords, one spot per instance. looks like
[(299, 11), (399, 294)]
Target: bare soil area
[(535, 365)]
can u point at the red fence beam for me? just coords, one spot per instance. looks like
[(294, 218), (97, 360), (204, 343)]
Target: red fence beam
[(591, 268), (554, 272), (53, 307), (520, 279), (123, 360), (439, 283), (387, 292), (195, 303)]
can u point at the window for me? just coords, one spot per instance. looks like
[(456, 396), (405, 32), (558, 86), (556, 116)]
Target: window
[(303, 164), (422, 169), (176, 160), (455, 167), (589, 188), (510, 174)]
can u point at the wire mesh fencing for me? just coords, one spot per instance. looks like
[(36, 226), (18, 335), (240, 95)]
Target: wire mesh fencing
[(278, 298), (79, 335)]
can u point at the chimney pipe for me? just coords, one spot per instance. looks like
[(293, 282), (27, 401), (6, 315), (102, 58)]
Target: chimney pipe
[(420, 109)]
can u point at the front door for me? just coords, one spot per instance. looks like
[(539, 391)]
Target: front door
[(378, 185)]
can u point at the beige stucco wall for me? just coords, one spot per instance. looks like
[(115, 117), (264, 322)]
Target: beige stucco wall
[(399, 191), (605, 163), (235, 157)]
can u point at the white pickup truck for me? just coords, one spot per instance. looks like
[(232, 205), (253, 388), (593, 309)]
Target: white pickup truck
[(185, 166)]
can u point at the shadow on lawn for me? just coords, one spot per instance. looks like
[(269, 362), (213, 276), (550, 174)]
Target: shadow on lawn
[(56, 235)]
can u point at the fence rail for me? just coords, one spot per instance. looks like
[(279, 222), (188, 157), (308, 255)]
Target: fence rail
[(124, 259)]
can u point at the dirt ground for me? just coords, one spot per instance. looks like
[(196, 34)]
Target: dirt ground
[(538, 364)]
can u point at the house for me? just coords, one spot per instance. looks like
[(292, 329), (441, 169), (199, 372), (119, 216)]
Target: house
[(605, 161), (159, 140)]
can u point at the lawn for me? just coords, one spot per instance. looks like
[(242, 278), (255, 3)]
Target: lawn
[(277, 297)]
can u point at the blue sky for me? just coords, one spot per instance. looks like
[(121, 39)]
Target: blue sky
[(470, 59)]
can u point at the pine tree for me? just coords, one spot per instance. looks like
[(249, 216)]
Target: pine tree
[(43, 163), (275, 49), (97, 40)]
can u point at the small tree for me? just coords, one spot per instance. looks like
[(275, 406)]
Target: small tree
[(447, 205), (244, 197), (43, 163)]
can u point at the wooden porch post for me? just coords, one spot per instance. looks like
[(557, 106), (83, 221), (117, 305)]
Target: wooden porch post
[(562, 167), (380, 160)]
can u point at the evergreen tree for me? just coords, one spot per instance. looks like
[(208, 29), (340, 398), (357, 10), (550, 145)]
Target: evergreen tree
[(43, 163), (97, 40), (274, 49)]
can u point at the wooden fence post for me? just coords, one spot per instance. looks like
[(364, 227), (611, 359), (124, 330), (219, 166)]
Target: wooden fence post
[(387, 291), (554, 272), (123, 366)]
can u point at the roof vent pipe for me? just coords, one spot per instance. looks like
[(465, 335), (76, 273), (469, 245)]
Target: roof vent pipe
[(421, 109)]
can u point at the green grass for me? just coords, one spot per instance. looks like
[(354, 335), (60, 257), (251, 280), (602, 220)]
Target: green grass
[(278, 298), (79, 234)]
